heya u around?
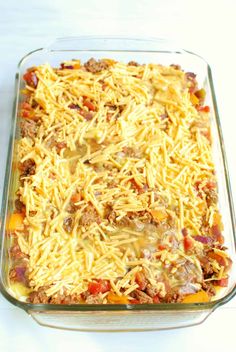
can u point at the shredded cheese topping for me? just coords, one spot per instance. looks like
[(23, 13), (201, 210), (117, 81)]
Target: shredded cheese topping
[(140, 152)]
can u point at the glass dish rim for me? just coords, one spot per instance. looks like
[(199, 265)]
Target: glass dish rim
[(112, 307)]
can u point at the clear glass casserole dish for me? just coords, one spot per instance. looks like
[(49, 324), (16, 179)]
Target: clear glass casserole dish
[(121, 317)]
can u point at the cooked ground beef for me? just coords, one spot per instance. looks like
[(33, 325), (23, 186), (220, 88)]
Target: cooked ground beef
[(29, 128), (39, 296), (95, 66), (94, 299), (16, 253), (89, 216), (68, 224), (142, 297), (27, 168), (151, 291), (19, 206), (211, 197), (133, 63), (209, 288), (173, 297)]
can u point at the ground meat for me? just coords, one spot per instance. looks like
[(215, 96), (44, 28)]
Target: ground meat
[(60, 146), (173, 298), (72, 208), (95, 66), (16, 253), (211, 197), (151, 291), (132, 152), (29, 128), (110, 214), (86, 114), (206, 268), (133, 63), (209, 288), (68, 224), (39, 296), (142, 297), (94, 299), (65, 299), (19, 206), (27, 168), (89, 216)]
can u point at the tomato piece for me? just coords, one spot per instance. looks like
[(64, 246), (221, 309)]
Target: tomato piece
[(188, 243), (76, 197), (205, 108), (161, 247), (89, 105), (99, 286), (220, 259), (25, 106), (216, 233), (31, 79), (156, 299), (222, 282), (134, 301), (141, 280)]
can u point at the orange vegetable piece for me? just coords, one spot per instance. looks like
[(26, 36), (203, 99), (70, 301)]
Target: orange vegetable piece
[(76, 197), (159, 215), (194, 99), (114, 298), (198, 297), (217, 221), (15, 221)]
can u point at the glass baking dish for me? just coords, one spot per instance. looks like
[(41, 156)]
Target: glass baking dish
[(121, 317)]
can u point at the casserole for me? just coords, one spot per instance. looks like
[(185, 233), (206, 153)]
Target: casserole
[(114, 317)]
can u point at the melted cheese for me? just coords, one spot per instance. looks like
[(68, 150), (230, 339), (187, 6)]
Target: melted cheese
[(169, 160)]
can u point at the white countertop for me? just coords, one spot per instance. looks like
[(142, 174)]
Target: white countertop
[(207, 29)]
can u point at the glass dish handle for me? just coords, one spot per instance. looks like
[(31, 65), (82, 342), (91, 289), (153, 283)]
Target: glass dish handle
[(96, 43)]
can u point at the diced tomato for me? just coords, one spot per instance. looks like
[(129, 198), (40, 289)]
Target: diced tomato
[(99, 286), (161, 247), (220, 259), (216, 234), (76, 197), (205, 108), (134, 301), (31, 79), (211, 185), (89, 105), (188, 243), (156, 299), (141, 280), (184, 232), (25, 106), (222, 282)]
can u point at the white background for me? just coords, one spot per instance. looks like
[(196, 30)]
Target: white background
[(205, 27)]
